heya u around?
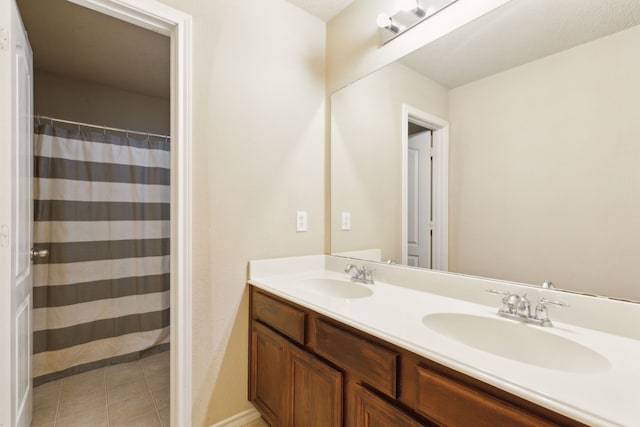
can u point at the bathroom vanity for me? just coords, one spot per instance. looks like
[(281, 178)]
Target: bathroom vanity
[(325, 351)]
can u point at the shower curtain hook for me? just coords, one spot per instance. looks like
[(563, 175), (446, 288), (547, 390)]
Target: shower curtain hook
[(127, 133), (148, 137), (51, 120), (104, 130), (38, 119)]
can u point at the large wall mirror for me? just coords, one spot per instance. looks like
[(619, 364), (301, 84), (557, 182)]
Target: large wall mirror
[(539, 102)]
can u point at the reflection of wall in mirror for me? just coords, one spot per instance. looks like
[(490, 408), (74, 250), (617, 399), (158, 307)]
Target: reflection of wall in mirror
[(365, 172), (545, 172)]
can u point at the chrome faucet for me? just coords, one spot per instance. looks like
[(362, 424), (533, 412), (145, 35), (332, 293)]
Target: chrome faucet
[(518, 307), (360, 274)]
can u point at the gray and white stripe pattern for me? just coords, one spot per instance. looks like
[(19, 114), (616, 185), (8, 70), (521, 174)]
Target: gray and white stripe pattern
[(101, 208)]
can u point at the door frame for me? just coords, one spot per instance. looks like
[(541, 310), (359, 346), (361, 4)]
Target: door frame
[(440, 184), (160, 18)]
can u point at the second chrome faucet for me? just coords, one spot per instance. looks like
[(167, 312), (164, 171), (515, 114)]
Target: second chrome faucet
[(360, 274), (518, 307)]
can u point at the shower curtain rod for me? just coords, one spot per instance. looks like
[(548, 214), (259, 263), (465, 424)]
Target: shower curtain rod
[(105, 128)]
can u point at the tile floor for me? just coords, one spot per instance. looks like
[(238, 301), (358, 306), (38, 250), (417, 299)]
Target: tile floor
[(128, 394)]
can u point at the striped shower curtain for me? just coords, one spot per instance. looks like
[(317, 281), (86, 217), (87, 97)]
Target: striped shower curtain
[(101, 209)]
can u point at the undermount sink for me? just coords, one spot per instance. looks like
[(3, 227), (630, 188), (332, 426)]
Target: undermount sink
[(517, 341), (336, 288)]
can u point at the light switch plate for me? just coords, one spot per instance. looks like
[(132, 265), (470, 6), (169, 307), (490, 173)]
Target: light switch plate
[(301, 221), (346, 221)]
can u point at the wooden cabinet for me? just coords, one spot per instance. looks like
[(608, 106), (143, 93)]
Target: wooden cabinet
[(456, 404), (373, 363), (289, 386), (316, 392), (307, 370), (373, 411), (267, 389)]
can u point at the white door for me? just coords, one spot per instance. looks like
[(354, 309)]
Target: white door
[(419, 200), (16, 141)]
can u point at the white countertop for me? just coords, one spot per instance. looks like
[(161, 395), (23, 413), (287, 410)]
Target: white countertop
[(394, 313)]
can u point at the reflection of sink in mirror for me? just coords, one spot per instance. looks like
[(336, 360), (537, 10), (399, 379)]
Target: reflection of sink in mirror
[(517, 341), (336, 288)]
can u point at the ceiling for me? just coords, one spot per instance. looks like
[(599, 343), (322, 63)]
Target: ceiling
[(323, 9), (76, 42), (73, 41), (519, 32), (79, 43)]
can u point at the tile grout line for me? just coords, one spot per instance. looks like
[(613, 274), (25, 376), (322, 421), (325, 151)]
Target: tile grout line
[(106, 396), (59, 403), (153, 397)]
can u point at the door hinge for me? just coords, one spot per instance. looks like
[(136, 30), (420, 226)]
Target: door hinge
[(4, 39), (432, 226), (4, 236)]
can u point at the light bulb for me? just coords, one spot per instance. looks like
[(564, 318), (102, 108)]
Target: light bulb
[(383, 20), (411, 6)]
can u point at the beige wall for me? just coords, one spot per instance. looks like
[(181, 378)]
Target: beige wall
[(71, 99), (353, 41), (545, 183), (258, 150), (366, 164)]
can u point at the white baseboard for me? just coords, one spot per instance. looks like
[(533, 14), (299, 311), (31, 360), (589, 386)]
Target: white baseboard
[(239, 420)]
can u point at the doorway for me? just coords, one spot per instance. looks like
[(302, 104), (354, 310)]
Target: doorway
[(175, 24), (419, 196), (425, 196)]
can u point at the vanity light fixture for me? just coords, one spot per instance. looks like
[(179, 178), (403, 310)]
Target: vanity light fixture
[(409, 13), (385, 22), (413, 6)]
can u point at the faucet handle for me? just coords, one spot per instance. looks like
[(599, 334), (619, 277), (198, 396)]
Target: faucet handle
[(498, 291), (557, 303), (542, 315), (507, 304)]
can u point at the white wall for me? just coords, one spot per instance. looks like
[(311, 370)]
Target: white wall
[(258, 145), (545, 183), (366, 164), (71, 99)]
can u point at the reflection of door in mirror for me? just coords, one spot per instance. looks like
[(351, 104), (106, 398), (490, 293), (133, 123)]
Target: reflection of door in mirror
[(419, 197)]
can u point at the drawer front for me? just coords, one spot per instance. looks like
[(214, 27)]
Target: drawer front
[(282, 317), (374, 364), (455, 404)]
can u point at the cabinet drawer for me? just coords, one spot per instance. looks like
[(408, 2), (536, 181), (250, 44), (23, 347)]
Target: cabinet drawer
[(374, 364), (282, 317), (455, 404)]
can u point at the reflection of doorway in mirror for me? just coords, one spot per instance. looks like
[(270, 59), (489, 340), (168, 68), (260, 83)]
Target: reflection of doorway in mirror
[(432, 177), (419, 200)]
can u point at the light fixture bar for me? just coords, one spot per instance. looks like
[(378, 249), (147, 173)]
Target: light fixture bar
[(409, 14)]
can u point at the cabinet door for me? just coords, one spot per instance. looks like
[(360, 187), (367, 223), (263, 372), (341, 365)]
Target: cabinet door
[(268, 386), (373, 411), (316, 392)]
